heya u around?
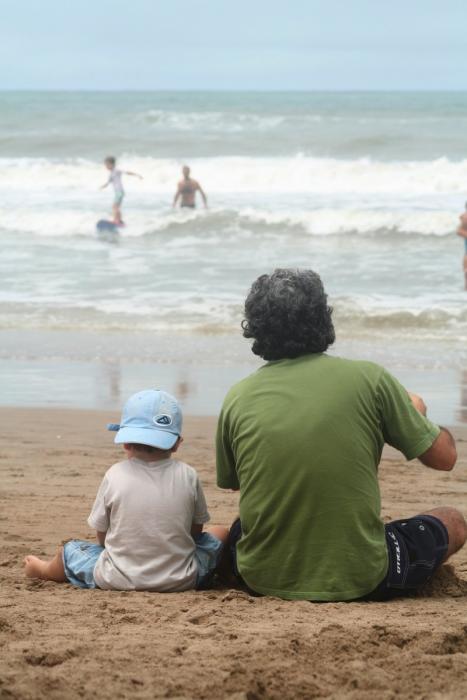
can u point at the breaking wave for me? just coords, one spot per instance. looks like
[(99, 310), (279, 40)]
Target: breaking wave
[(298, 174)]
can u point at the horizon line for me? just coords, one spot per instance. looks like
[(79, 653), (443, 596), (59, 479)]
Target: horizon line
[(236, 90)]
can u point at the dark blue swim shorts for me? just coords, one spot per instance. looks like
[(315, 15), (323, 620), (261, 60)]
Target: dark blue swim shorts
[(416, 548)]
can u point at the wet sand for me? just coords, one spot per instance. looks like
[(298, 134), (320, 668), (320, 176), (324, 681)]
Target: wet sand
[(60, 642), (98, 371)]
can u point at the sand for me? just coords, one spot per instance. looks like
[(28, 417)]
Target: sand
[(60, 642)]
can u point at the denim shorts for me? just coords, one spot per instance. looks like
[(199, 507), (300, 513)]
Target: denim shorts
[(416, 548), (208, 553), (80, 558)]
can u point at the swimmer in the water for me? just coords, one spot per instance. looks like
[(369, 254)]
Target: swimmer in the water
[(462, 232), (187, 189)]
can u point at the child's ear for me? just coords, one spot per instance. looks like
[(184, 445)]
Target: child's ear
[(177, 444)]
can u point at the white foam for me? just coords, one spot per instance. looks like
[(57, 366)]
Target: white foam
[(239, 175), (353, 318), (217, 121), (343, 220), (192, 227)]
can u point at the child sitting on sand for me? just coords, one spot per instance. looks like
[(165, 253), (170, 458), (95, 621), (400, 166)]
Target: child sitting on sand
[(115, 178), (148, 513)]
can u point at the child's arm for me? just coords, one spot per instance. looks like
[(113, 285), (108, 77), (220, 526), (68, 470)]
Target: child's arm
[(200, 514), (196, 529), (129, 172), (104, 186), (99, 518)]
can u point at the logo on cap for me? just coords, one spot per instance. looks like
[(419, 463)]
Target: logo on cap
[(162, 419)]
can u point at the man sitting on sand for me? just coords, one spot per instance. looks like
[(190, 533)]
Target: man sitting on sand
[(301, 438), (187, 189), (462, 232), (148, 513)]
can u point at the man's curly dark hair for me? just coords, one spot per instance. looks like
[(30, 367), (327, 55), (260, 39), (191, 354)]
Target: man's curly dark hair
[(287, 315)]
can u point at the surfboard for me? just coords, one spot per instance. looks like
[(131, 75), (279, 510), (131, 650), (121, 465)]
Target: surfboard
[(105, 226), (107, 231)]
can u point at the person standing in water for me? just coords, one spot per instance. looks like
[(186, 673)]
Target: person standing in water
[(187, 189), (462, 232), (115, 178)]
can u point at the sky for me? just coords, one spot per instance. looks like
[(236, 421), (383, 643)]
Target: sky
[(233, 45)]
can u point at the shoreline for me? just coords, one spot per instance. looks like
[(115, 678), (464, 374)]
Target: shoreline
[(95, 370), (103, 385)]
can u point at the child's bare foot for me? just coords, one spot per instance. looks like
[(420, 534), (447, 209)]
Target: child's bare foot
[(52, 570), (35, 567)]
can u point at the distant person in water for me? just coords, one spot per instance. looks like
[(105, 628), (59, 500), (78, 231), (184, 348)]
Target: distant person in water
[(187, 189), (115, 178), (462, 232)]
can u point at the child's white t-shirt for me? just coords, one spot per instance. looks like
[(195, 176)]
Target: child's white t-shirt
[(147, 510), (115, 178)]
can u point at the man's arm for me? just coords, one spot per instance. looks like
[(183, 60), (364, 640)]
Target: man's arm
[(101, 537), (227, 477), (442, 455), (177, 195), (203, 195)]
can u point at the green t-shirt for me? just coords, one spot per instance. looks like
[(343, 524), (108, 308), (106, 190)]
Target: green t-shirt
[(302, 440)]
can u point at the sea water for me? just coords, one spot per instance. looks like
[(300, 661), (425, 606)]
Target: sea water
[(365, 188)]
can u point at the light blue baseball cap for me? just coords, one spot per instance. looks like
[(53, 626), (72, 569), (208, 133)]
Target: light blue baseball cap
[(150, 417)]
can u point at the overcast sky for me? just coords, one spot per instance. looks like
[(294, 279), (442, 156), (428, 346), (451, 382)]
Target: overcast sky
[(220, 44)]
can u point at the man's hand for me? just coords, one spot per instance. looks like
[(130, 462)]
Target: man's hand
[(418, 402)]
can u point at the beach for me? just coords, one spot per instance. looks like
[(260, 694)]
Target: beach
[(58, 641), (365, 189)]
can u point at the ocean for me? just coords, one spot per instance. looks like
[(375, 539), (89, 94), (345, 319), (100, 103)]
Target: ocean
[(364, 188)]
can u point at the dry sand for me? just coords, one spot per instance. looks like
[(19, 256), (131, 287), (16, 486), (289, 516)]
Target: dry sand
[(60, 642)]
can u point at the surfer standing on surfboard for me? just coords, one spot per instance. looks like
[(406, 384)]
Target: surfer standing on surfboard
[(187, 189), (462, 232), (115, 178)]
